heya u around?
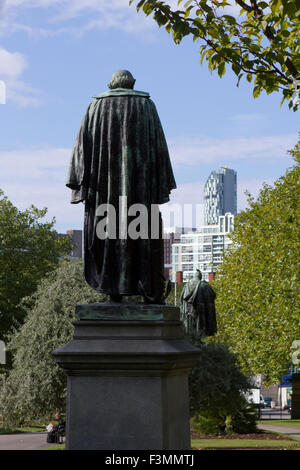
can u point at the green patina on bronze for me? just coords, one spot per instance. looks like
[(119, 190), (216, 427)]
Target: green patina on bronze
[(122, 92), (197, 307), (126, 311), (121, 150)]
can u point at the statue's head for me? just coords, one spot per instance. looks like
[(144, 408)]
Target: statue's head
[(121, 79), (198, 274)]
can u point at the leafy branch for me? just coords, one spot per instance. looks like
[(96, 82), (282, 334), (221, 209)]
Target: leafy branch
[(264, 44)]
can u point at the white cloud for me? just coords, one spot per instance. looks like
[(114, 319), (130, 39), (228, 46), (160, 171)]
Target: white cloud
[(22, 94), (55, 197), (37, 176), (12, 66), (92, 14), (34, 164), (194, 150)]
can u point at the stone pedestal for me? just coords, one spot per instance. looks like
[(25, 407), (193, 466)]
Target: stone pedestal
[(295, 405), (127, 369)]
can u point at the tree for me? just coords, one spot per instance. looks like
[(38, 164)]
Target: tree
[(263, 43), (258, 283), (36, 386), (29, 249), (217, 392)]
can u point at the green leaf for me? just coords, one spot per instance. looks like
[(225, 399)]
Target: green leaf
[(230, 19), (221, 69), (257, 91), (236, 68)]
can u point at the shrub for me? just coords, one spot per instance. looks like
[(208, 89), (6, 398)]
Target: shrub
[(217, 387), (35, 388)]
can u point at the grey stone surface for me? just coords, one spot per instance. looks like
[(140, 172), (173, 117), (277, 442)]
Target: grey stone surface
[(128, 383), (295, 411), (124, 311), (24, 441), (288, 429)]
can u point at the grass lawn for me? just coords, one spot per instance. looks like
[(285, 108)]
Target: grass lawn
[(56, 447), (227, 444), (280, 422), (22, 429), (244, 444)]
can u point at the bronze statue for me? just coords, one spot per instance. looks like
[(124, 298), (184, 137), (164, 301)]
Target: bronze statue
[(120, 160), (197, 307)]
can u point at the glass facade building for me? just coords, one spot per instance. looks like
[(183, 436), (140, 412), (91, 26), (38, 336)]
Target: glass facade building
[(220, 195)]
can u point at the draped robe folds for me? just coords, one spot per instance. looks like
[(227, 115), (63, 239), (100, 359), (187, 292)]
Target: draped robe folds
[(198, 311), (121, 150)]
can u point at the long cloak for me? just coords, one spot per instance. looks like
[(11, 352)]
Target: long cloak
[(204, 304), (121, 150), (198, 311)]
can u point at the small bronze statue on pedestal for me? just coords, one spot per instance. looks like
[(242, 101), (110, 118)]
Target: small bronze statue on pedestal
[(197, 307)]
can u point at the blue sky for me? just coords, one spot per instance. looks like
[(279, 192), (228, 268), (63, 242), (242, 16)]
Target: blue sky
[(56, 54)]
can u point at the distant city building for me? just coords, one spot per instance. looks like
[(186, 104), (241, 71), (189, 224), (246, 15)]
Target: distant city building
[(220, 195), (202, 249), (172, 235), (76, 242), (76, 236)]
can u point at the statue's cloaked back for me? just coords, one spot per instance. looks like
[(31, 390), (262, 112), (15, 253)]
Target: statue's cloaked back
[(121, 150)]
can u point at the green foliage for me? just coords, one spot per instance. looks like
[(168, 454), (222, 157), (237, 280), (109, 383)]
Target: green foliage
[(171, 297), (29, 249), (263, 42), (36, 387), (217, 388), (242, 420), (258, 283), (206, 425)]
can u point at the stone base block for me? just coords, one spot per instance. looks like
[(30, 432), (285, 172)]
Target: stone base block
[(127, 379)]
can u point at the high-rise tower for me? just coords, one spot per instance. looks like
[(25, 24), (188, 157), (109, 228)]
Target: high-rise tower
[(220, 194)]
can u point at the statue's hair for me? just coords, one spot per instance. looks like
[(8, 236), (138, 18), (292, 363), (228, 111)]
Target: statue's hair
[(121, 79), (198, 270)]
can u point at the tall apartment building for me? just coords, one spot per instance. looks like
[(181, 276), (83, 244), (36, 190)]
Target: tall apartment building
[(171, 235), (220, 195), (202, 249), (76, 236), (76, 242)]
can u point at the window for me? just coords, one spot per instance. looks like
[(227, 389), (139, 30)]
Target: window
[(187, 267), (187, 249), (187, 240), (187, 258)]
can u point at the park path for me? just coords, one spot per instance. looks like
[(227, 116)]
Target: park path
[(293, 431), (24, 441)]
